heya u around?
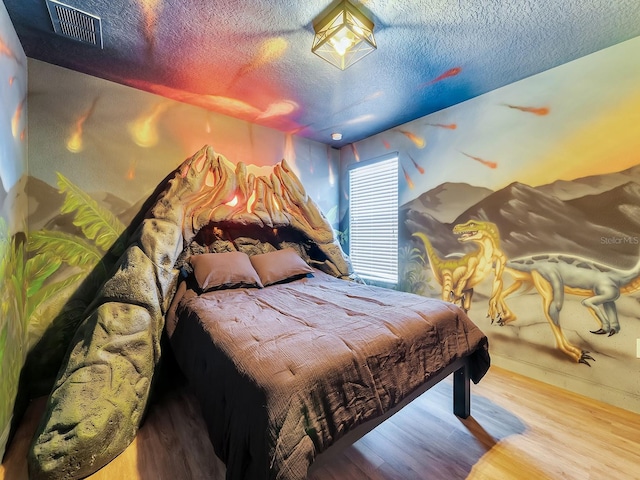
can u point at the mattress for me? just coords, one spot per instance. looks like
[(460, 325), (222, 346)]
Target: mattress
[(284, 371)]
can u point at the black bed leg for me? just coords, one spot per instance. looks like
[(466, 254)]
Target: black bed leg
[(462, 392)]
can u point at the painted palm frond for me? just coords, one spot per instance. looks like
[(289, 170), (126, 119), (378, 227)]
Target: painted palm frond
[(332, 215), (3, 341), (54, 289), (413, 277), (4, 248), (12, 325), (7, 390), (38, 269), (48, 303), (12, 282), (97, 223), (70, 249), (343, 238), (411, 255), (17, 275)]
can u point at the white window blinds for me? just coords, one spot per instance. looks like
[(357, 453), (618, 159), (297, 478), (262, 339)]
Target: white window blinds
[(373, 220)]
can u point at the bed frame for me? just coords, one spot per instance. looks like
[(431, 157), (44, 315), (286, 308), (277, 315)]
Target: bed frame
[(461, 408)]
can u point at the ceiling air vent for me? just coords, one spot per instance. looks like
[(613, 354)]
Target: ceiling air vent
[(76, 24)]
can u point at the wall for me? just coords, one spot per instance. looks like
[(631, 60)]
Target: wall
[(548, 169), (13, 210), (96, 151)]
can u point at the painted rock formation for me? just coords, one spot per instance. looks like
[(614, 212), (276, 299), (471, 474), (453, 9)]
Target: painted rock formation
[(98, 400)]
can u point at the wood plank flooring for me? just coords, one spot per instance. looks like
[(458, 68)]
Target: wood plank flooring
[(519, 429)]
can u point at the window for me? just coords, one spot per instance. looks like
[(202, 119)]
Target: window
[(373, 219)]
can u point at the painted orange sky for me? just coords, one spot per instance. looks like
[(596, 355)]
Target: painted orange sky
[(609, 143)]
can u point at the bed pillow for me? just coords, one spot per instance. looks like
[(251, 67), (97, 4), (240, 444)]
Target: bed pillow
[(224, 270), (278, 266)]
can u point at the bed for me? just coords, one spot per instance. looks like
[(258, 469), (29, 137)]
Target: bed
[(271, 408), (285, 370)]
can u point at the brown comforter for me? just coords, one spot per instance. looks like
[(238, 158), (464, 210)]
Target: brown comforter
[(284, 371)]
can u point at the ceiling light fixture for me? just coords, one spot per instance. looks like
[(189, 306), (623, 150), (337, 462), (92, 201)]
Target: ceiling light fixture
[(343, 36), (336, 136)]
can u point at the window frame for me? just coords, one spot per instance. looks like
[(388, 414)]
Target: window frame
[(391, 275)]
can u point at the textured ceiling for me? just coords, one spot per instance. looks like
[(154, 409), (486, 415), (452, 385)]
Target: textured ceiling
[(252, 59)]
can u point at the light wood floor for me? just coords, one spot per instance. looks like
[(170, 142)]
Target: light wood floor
[(519, 429)]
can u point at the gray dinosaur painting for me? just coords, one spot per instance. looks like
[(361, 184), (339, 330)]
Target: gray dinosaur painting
[(553, 275)]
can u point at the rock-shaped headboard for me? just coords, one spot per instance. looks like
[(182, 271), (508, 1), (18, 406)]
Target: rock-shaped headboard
[(98, 399)]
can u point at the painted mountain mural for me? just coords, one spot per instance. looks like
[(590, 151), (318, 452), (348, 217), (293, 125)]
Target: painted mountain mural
[(45, 202), (444, 202), (603, 225)]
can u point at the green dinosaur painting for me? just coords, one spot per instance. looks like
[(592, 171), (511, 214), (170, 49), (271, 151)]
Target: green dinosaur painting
[(458, 276)]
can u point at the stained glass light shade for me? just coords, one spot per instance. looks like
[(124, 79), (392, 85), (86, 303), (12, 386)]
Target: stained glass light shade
[(344, 36)]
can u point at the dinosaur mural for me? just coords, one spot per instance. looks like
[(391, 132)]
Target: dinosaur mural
[(459, 275), (554, 275)]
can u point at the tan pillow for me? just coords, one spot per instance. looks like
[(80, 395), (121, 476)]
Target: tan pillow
[(280, 265), (224, 270)]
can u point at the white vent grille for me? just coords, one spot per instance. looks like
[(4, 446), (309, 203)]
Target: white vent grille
[(76, 24)]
